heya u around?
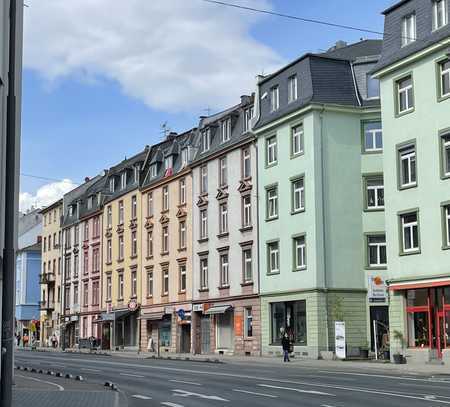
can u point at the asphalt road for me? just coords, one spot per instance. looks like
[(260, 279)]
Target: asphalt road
[(147, 382)]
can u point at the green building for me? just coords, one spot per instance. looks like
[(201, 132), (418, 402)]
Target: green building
[(414, 72), (321, 200)]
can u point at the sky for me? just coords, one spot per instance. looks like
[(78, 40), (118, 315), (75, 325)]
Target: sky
[(102, 76)]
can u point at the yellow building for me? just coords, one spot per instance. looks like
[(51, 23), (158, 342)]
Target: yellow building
[(122, 225), (50, 278)]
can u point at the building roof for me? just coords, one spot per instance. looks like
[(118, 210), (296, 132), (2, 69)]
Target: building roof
[(52, 206), (394, 6), (364, 48)]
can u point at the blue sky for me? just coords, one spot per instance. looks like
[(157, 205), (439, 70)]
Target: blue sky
[(86, 106)]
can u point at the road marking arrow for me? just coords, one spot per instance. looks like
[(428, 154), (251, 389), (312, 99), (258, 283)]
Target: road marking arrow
[(184, 393), (318, 393)]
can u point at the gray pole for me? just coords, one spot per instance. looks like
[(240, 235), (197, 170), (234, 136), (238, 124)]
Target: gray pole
[(11, 198)]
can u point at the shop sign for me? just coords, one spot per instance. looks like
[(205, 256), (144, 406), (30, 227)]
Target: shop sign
[(377, 289), (339, 339), (197, 307), (168, 310), (133, 305), (74, 318)]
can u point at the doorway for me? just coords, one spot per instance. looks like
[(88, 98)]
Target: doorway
[(205, 329), (185, 338), (380, 314)]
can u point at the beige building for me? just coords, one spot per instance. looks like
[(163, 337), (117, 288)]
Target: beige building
[(50, 278)]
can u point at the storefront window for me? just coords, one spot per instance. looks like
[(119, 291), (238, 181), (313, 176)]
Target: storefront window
[(418, 329), (417, 298), (164, 332), (289, 317)]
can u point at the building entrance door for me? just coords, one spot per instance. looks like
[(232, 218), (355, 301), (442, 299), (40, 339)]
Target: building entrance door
[(205, 330)]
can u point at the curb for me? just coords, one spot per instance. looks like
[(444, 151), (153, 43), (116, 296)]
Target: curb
[(50, 373), (187, 359)]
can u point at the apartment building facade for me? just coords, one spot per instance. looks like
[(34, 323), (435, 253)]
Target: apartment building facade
[(320, 189), (414, 71), (50, 277), (226, 309)]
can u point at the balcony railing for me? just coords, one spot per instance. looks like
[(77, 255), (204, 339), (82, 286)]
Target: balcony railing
[(47, 305), (46, 278)]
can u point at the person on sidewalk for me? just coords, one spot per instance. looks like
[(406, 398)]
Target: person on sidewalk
[(286, 345)]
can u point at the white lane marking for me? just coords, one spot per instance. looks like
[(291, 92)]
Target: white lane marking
[(169, 404), (130, 375), (60, 388), (255, 393), (184, 393), (376, 375), (141, 397), (326, 405), (318, 393), (90, 370), (182, 381)]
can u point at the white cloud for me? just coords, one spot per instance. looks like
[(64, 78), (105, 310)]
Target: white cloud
[(174, 55), (45, 195)]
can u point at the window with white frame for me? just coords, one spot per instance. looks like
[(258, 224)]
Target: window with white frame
[(182, 231), (134, 207), (120, 247), (111, 184), (410, 232), (136, 173), (445, 143), (109, 251), (123, 180), (271, 150), (205, 140), (150, 283), (223, 218), (273, 257), (373, 87), (248, 322), (298, 195), (440, 14), (165, 239), (373, 136), (85, 294), (168, 162), (248, 116), (274, 98), (374, 192), (76, 297), (297, 139), (224, 281), (204, 273), (444, 68), (133, 243), (299, 252), (153, 170), (203, 179), (120, 209), (182, 282), (120, 286), (149, 243), (247, 266), (272, 202), (246, 163), (89, 203), (165, 198), (165, 281), (184, 157), (109, 216), (203, 223), (407, 160), (408, 29), (223, 171), (150, 204), (226, 129), (292, 88), (446, 214), (405, 97), (182, 188), (108, 288), (376, 250), (246, 211), (133, 283)]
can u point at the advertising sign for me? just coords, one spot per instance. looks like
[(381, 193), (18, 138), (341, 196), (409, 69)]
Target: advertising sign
[(377, 289), (339, 339), (239, 325)]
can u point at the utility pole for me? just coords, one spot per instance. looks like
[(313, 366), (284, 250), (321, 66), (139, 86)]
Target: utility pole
[(13, 18)]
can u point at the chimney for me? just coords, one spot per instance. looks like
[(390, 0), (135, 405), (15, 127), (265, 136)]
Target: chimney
[(86, 179), (340, 44), (245, 100), (171, 135)]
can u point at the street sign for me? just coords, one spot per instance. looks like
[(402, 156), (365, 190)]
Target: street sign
[(339, 339)]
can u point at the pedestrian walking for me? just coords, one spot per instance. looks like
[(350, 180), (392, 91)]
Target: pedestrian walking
[(286, 345)]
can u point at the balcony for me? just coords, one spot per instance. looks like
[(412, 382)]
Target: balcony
[(46, 305), (47, 278)]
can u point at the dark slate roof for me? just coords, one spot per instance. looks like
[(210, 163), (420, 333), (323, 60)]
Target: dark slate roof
[(354, 51), (394, 6), (236, 113), (392, 43), (97, 189)]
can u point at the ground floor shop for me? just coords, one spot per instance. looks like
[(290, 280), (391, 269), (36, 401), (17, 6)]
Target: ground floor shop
[(70, 331), (227, 327), (119, 329), (50, 333), (309, 317), (420, 319)]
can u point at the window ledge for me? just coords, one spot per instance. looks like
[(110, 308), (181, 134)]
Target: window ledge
[(119, 260), (296, 270), (164, 211), (410, 253), (223, 235), (182, 249), (205, 239), (203, 290), (404, 187), (445, 247), (405, 112), (247, 283), (246, 228), (298, 211), (272, 273), (375, 267), (182, 292), (133, 257), (164, 253), (272, 219), (296, 155), (224, 287), (368, 210), (149, 258)]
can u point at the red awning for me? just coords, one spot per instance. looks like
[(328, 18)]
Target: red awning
[(409, 285)]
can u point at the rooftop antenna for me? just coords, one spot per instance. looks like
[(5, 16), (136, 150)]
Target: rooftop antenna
[(165, 129), (208, 111)]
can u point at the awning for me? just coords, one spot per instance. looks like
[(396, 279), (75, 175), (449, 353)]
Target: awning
[(409, 285), (153, 316), (112, 316), (218, 309)]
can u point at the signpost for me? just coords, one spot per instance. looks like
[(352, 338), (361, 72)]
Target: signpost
[(377, 289), (339, 338)]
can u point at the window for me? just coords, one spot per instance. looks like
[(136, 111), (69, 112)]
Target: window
[(182, 187), (444, 71), (86, 262), (418, 308), (95, 293), (204, 273), (165, 239), (96, 222), (407, 166), (373, 137), (109, 251), (150, 283), (86, 232), (123, 180), (109, 216), (299, 253), (247, 265), (440, 14), (44, 248), (120, 212), (271, 150), (111, 184), (133, 243), (121, 247), (134, 207), (203, 179), (150, 204), (168, 162), (75, 265), (376, 250), (96, 260), (133, 283), (85, 294), (289, 317), (165, 282), (297, 140), (274, 98), (182, 271), (153, 170), (445, 145), (373, 87), (165, 198), (184, 157), (246, 211), (89, 202), (223, 218), (76, 297), (405, 95), (226, 130), (55, 243), (248, 116), (298, 195), (248, 322), (292, 88), (108, 288), (203, 223), (374, 192), (408, 29), (246, 163), (223, 171), (136, 174), (49, 242), (150, 243), (273, 257), (272, 203), (205, 140), (446, 219), (68, 265), (120, 286), (67, 297), (224, 281), (182, 230), (410, 232)]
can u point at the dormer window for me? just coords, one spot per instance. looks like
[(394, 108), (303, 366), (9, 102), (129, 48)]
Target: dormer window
[(248, 116), (168, 162), (373, 87), (408, 29), (206, 140), (274, 98), (440, 14), (153, 170), (89, 202), (71, 210), (226, 130), (99, 198), (184, 157), (292, 88), (111, 185), (136, 174), (123, 180)]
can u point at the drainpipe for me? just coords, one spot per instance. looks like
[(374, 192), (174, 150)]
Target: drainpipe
[(355, 85), (257, 240)]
